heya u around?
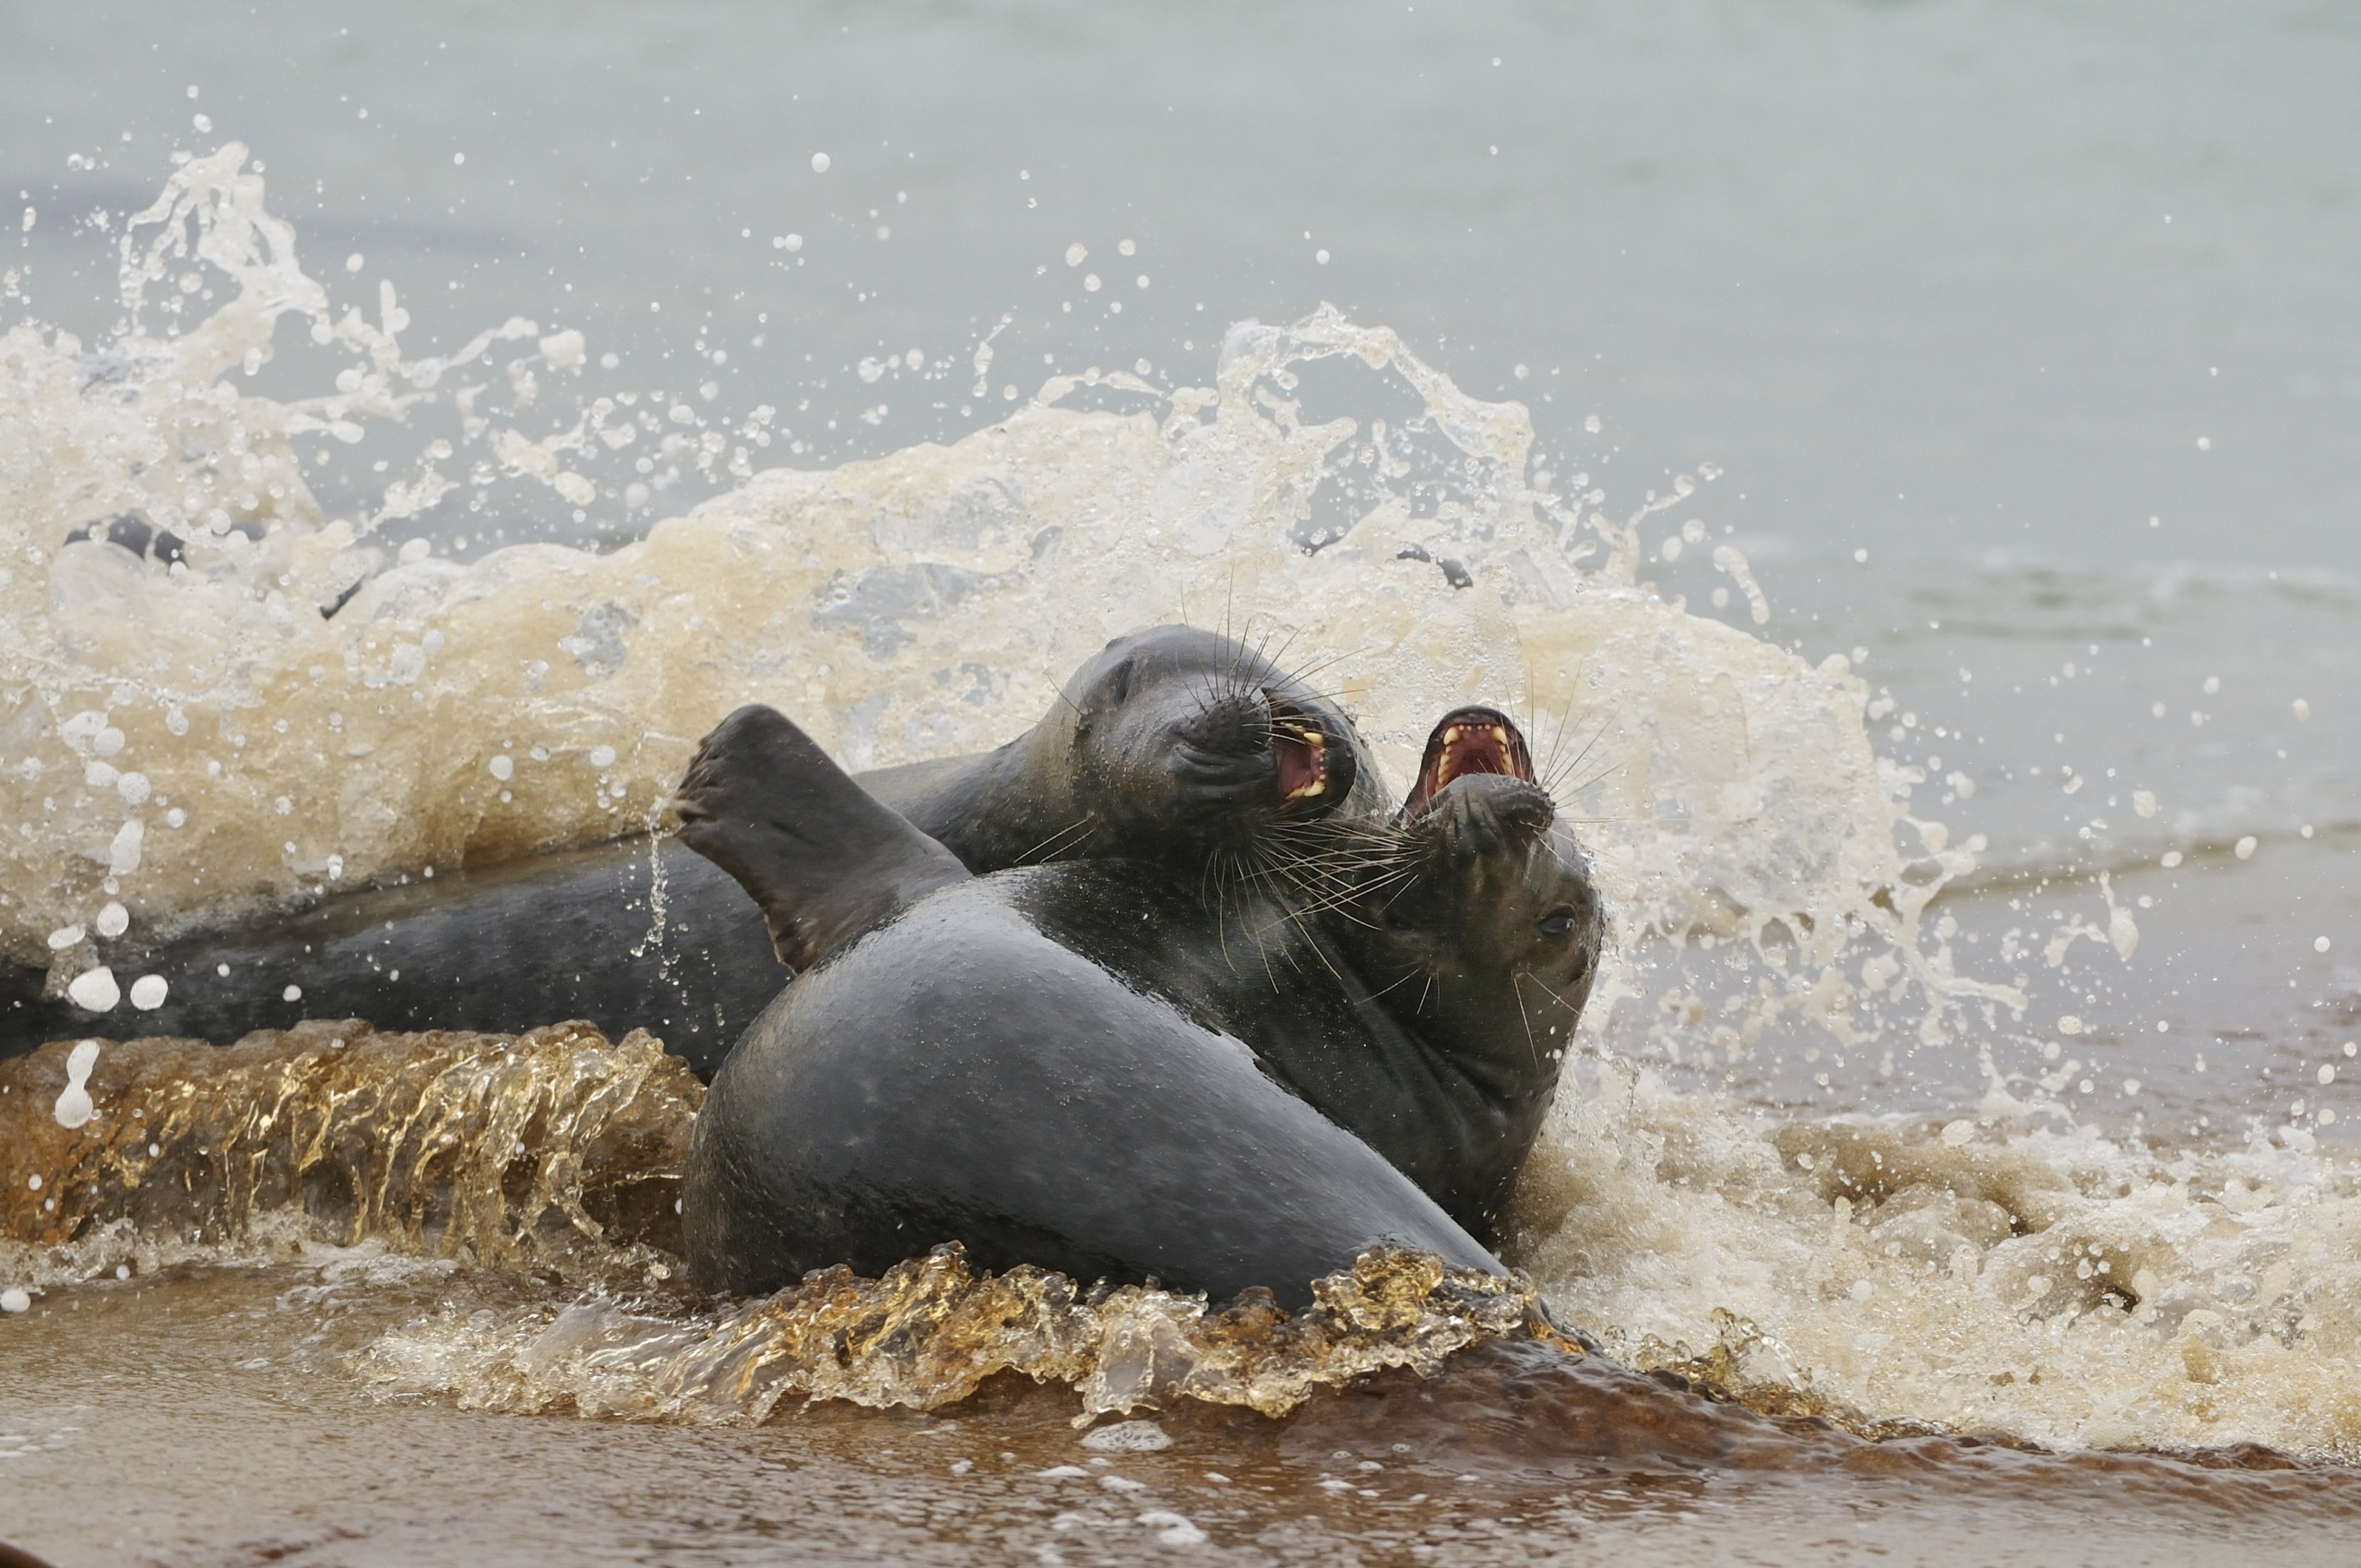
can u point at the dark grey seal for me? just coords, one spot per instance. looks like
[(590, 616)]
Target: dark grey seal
[(1175, 745), (999, 1061)]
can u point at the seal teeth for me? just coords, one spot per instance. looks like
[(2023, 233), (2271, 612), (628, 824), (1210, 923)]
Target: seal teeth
[(1310, 764), (1445, 770)]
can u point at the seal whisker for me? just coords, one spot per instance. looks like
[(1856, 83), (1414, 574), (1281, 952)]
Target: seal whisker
[(1344, 898), (1558, 771), (1085, 827), (1408, 976), (1408, 883), (1331, 661), (1221, 911), (1524, 1018), (1561, 727), (1560, 1001), (1599, 776)]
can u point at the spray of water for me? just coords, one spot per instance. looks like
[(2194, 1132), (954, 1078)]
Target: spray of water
[(276, 704)]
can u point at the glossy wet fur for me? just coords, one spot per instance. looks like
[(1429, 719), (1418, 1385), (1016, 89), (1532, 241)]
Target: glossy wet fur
[(962, 1074), (1019, 1063), (828, 1137), (1173, 744), (1422, 984), (1485, 947)]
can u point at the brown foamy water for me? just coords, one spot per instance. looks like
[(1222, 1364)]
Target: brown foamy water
[(330, 1296)]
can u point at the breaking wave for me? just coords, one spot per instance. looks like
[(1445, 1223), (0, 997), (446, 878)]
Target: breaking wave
[(252, 697)]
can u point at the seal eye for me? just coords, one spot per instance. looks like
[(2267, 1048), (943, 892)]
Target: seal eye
[(1557, 923)]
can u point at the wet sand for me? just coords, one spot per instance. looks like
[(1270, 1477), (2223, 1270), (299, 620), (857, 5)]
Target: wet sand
[(336, 1297), (210, 1416)]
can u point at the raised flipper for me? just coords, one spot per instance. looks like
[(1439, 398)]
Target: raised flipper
[(818, 854)]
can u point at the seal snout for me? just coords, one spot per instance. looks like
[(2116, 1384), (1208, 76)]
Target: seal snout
[(1468, 741)]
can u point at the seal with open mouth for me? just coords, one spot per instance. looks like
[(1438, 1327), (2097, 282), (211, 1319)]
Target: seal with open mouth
[(1419, 982), (1481, 937), (1173, 744), (1006, 1060)]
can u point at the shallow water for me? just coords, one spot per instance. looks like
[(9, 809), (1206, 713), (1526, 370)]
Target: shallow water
[(210, 1390), (461, 1339), (1976, 1059)]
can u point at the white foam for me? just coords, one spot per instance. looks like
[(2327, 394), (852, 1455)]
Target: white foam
[(74, 1106), (123, 853), (1127, 1437), (2050, 1284)]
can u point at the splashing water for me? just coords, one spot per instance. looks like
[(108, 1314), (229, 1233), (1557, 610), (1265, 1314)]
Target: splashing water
[(929, 1333), (2052, 1285), (558, 1153), (276, 703), (551, 1151), (2057, 1289), (195, 730)]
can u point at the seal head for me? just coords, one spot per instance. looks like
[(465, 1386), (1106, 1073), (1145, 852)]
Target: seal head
[(1179, 735), (1478, 932), (1172, 745)]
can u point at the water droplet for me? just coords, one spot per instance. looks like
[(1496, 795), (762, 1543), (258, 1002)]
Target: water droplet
[(94, 991)]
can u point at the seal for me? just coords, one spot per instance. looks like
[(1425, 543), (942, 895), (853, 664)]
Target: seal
[(1418, 980), (1173, 744), (969, 1058), (1480, 931)]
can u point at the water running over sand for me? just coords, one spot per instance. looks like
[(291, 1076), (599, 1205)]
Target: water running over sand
[(280, 703)]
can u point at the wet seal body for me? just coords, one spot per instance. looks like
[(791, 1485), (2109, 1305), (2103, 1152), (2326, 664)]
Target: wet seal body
[(1093, 1066), (955, 1061), (1173, 744), (1461, 956)]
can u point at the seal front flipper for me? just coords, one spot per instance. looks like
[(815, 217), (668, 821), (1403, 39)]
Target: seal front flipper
[(822, 859)]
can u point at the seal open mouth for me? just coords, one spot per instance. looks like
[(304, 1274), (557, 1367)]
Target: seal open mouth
[(1469, 740), (1313, 773)]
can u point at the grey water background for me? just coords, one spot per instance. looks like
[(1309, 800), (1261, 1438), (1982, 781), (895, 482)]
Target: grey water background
[(2028, 337)]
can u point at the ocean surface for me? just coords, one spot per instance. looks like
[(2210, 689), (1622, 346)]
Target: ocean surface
[(1910, 453)]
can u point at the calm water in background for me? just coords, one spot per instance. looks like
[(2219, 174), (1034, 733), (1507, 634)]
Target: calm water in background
[(1977, 290), (2028, 340)]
